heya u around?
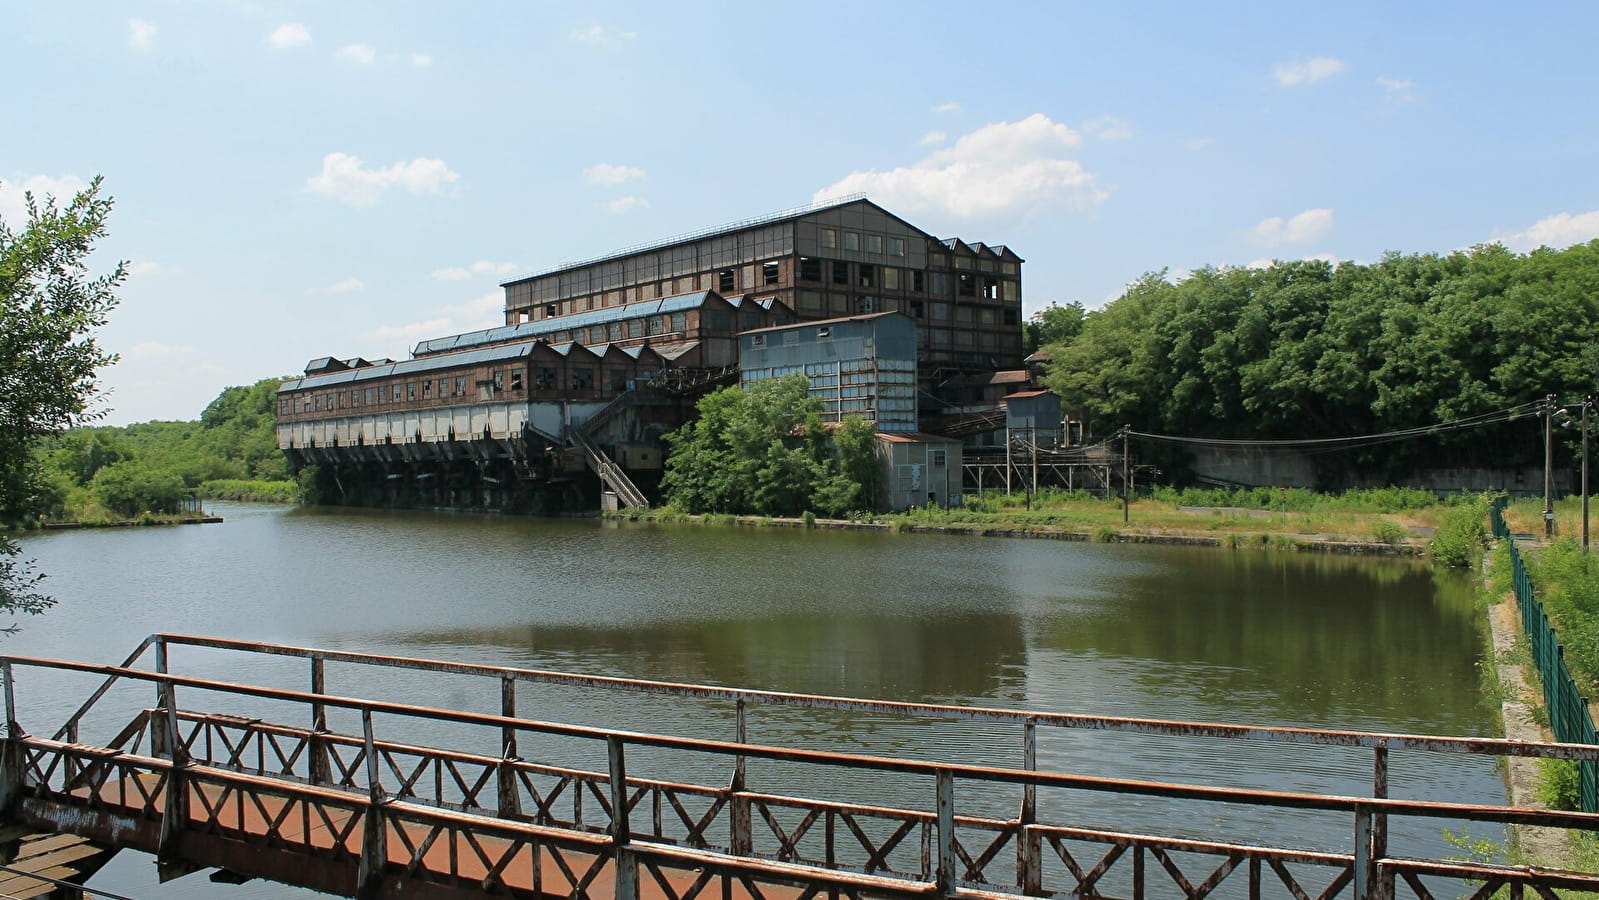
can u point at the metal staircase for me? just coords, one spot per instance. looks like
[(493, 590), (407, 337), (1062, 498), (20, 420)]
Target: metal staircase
[(610, 473)]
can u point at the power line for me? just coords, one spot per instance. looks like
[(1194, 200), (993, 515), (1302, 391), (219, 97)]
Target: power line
[(1331, 444)]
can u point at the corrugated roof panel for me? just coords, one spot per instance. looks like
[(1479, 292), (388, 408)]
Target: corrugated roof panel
[(522, 330), (413, 366)]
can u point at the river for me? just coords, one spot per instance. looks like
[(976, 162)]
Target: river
[(1200, 634)]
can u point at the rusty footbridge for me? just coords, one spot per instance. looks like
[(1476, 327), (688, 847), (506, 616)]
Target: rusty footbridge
[(375, 798)]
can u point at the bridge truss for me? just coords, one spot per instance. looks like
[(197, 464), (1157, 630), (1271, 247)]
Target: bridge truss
[(371, 810)]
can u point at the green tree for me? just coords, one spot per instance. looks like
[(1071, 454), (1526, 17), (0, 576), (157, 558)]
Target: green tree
[(1054, 324), (763, 450), (49, 309)]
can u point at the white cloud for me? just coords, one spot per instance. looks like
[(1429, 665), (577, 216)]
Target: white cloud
[(1557, 232), (346, 179), (141, 34), (1307, 71), (1004, 168), (480, 267), (1198, 143), (346, 286), (483, 311), (357, 53), (421, 60), (1397, 90), (947, 107), (601, 36), (13, 205), (1307, 226), (1264, 263), (623, 204), (608, 173), (1109, 128), (289, 34), (934, 137)]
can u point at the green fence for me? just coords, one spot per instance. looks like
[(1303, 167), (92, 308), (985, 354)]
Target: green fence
[(1569, 718)]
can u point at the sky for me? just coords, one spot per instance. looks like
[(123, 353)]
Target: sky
[(294, 180)]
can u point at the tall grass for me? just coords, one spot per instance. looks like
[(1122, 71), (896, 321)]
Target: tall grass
[(250, 491), (1463, 535), (1364, 500)]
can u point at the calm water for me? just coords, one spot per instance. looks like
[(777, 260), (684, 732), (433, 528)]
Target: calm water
[(1177, 633)]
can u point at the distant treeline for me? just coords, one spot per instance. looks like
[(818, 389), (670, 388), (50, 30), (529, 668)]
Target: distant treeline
[(99, 474), (1308, 349)]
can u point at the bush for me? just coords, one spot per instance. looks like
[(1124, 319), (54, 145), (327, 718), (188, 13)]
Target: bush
[(1387, 532), (129, 488), (1559, 784), (1461, 539)]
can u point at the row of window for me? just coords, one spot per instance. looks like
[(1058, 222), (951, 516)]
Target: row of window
[(580, 378), (833, 239), (817, 303)]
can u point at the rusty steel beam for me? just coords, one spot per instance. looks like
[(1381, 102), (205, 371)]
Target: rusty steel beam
[(1310, 736)]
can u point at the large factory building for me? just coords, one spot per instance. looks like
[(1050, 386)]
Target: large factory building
[(597, 360)]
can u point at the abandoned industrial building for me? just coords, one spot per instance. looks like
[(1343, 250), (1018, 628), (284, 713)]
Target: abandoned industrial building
[(598, 360)]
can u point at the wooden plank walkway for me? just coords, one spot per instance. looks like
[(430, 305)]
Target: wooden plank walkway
[(63, 857)]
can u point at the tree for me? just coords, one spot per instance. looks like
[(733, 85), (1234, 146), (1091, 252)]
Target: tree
[(49, 309), (763, 450), (1054, 324)]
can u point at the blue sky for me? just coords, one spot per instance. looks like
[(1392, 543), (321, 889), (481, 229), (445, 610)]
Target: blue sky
[(300, 179)]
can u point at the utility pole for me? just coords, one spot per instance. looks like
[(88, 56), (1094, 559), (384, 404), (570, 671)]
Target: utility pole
[(1126, 493), (1587, 404), (1548, 466)]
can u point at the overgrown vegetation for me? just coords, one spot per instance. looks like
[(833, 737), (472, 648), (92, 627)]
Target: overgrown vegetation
[(104, 474), (1463, 536), (1307, 348), (1566, 581), (763, 450)]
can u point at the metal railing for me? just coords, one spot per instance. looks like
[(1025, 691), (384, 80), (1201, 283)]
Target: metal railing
[(380, 803), (1570, 718)]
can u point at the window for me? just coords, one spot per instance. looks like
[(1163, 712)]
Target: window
[(874, 243), (824, 331), (752, 319), (852, 240), (369, 397), (936, 459), (757, 340), (396, 396), (918, 281), (769, 273), (550, 310), (940, 284), (460, 385), (990, 289), (444, 387), (618, 379), (516, 380), (597, 334), (724, 281), (679, 322), (635, 328), (810, 269), (718, 320), (868, 275), (917, 310), (896, 246), (427, 389), (410, 390), (499, 380), (614, 331), (890, 278), (1011, 318), (829, 238), (544, 380), (583, 379), (963, 262), (840, 272), (967, 285), (283, 406), (654, 324), (865, 304)]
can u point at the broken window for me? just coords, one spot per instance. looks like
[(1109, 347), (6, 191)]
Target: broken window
[(427, 389), (460, 385), (810, 269), (918, 281), (516, 380), (840, 272), (545, 379), (499, 380), (917, 310), (582, 379), (868, 275), (967, 285), (990, 289), (724, 281), (550, 310), (769, 273)]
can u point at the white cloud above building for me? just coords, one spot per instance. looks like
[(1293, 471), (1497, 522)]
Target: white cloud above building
[(1307, 71), (1306, 226), (347, 179)]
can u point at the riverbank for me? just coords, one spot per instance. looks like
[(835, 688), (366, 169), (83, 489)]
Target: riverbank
[(1318, 542), (134, 523)]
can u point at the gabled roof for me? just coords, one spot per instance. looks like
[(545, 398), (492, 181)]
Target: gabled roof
[(413, 366), (604, 316)]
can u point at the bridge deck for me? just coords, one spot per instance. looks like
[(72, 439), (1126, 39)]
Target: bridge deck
[(53, 857)]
